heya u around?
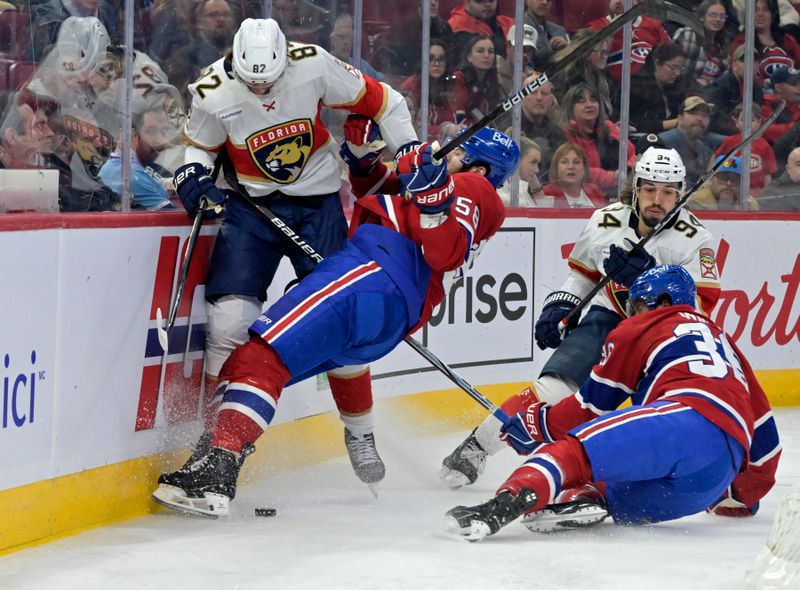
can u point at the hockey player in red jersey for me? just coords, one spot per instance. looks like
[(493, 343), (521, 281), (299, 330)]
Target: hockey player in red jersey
[(261, 105), (402, 255), (700, 434), (603, 248)]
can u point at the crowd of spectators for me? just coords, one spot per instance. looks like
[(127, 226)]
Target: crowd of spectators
[(62, 84)]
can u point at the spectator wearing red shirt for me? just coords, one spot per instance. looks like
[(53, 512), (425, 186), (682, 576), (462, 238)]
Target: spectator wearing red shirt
[(762, 158), (476, 89), (477, 18), (585, 124), (648, 32), (775, 48), (570, 186), (439, 89)]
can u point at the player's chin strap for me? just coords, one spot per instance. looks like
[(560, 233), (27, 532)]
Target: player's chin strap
[(673, 213), (291, 235), (658, 9), (163, 331)]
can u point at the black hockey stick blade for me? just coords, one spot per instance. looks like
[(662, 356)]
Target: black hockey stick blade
[(672, 213), (660, 9)]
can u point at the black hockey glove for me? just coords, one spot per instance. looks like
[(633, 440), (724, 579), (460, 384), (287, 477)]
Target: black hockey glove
[(624, 266), (192, 182), (556, 307)]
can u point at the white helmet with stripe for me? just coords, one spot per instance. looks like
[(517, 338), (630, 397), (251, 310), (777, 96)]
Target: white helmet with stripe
[(259, 51)]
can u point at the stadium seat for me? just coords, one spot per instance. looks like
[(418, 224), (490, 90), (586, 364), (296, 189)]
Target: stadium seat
[(14, 33), (4, 65), (19, 73)]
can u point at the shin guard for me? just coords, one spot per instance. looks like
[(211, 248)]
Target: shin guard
[(559, 465), (255, 376)]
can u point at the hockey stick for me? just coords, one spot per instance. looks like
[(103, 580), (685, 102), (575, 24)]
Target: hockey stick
[(659, 9), (265, 213), (673, 213), (163, 331)]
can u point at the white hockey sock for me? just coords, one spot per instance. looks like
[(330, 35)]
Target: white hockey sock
[(359, 425), (488, 435), (549, 388)]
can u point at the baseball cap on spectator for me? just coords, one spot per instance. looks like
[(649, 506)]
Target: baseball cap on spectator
[(529, 36), (732, 164), (693, 102), (648, 140), (738, 53), (785, 75)]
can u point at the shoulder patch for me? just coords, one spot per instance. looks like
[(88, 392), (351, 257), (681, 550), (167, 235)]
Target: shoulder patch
[(708, 263)]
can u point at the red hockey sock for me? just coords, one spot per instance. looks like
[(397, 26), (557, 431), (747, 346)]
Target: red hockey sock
[(520, 401), (559, 465), (256, 376), (352, 393)]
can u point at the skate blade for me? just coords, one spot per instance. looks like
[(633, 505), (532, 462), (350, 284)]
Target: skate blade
[(474, 532), (212, 506), (453, 479), (548, 521)]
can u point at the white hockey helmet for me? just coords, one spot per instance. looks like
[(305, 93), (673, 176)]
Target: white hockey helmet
[(81, 46), (259, 51), (659, 165)]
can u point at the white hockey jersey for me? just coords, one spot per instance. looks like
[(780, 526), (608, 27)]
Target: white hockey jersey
[(685, 242), (278, 141)]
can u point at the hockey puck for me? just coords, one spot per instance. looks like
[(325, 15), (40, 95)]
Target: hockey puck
[(266, 511)]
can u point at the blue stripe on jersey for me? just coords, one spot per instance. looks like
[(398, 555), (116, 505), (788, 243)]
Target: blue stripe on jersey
[(765, 440), (549, 468), (470, 237), (250, 400), (602, 395), (713, 399)]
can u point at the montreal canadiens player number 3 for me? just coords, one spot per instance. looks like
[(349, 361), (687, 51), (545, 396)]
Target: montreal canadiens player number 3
[(700, 434)]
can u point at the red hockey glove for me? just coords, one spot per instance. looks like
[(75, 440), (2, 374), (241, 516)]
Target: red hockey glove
[(727, 505), (362, 145), (527, 430), (425, 181)]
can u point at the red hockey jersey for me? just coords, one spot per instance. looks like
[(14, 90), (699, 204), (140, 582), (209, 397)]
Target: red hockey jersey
[(449, 248), (677, 354)]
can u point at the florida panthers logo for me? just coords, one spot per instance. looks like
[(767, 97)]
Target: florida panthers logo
[(281, 152)]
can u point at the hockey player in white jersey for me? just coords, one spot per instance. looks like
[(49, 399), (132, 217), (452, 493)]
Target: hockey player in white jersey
[(261, 105), (604, 248)]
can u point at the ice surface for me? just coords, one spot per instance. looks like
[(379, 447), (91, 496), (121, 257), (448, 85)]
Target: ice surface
[(331, 533)]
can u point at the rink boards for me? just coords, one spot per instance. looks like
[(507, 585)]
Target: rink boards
[(92, 409)]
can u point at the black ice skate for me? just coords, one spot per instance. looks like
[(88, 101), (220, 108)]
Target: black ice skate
[(473, 523), (463, 466), (203, 487), (573, 509), (365, 460)]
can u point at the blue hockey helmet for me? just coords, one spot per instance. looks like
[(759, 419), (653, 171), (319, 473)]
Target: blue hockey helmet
[(495, 149), (670, 280)]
